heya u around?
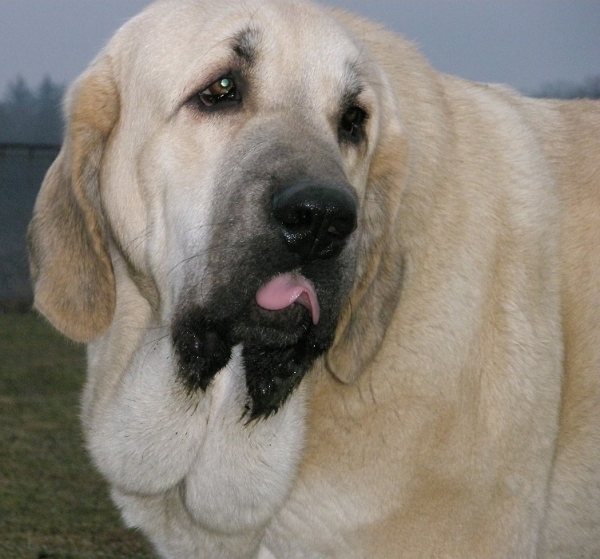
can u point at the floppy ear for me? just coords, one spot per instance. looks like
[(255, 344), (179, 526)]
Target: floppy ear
[(366, 317), (73, 279)]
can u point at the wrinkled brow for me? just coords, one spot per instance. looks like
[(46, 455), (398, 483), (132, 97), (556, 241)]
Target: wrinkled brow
[(351, 85), (245, 45)]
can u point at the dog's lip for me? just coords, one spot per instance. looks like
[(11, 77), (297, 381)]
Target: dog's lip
[(288, 289), (275, 329)]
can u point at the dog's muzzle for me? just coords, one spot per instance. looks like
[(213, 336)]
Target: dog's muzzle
[(279, 295)]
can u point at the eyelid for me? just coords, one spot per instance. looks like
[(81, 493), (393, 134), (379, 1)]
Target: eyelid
[(194, 99), (210, 77)]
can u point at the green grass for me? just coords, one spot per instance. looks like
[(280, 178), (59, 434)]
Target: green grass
[(53, 504)]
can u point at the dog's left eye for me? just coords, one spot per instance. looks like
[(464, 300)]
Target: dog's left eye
[(352, 124), (221, 91)]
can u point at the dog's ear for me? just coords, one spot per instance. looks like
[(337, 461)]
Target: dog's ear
[(366, 317), (73, 278)]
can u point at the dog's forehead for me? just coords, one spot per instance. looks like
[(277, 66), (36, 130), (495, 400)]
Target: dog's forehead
[(184, 42)]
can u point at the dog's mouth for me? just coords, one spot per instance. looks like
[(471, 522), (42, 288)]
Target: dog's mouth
[(289, 289), (281, 328), (283, 311)]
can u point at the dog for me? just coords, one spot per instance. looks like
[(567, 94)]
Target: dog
[(337, 304)]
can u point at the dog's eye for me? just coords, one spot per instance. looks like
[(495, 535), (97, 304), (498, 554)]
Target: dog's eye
[(222, 90), (352, 124)]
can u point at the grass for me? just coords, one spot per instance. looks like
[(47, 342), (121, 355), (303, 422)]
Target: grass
[(53, 504)]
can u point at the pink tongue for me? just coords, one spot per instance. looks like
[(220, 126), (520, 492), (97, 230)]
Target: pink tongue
[(287, 289)]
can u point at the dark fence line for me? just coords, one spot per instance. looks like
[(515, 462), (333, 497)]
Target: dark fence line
[(22, 169), (30, 149), (18, 305)]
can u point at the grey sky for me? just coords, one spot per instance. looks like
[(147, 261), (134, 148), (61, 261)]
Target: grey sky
[(524, 43)]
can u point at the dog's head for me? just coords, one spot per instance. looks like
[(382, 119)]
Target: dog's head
[(231, 157)]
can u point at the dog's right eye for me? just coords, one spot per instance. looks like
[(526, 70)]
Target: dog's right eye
[(221, 91)]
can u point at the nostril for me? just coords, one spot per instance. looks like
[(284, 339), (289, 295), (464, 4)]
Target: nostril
[(341, 227), (315, 220)]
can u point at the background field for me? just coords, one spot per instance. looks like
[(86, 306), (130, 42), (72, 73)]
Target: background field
[(52, 503)]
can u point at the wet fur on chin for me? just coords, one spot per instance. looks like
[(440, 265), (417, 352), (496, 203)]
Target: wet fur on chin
[(273, 369)]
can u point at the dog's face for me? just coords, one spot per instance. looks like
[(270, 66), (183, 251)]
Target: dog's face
[(234, 178), (261, 159)]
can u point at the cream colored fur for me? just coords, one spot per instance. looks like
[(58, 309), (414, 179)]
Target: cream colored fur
[(457, 414)]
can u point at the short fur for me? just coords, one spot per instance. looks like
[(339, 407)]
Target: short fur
[(456, 411)]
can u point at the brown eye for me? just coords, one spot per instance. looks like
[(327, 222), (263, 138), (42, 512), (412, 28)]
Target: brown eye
[(220, 87), (222, 90)]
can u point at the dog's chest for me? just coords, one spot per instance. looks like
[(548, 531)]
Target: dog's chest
[(244, 470)]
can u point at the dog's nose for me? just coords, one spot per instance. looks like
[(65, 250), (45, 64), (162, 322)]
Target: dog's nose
[(316, 220)]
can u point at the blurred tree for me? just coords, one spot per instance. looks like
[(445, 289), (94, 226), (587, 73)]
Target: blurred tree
[(19, 95), (589, 89), (32, 116), (48, 113)]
